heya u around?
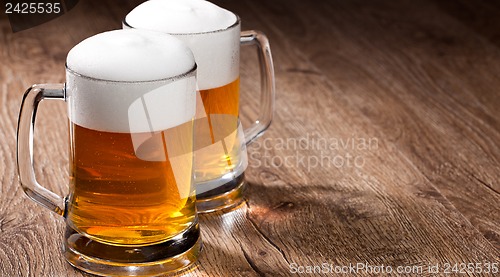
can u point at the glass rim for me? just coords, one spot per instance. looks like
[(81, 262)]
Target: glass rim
[(230, 27), (192, 71)]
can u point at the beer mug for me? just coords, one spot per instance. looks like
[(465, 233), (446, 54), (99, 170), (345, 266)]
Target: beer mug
[(213, 34), (131, 204)]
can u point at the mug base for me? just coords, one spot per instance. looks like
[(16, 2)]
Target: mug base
[(224, 197), (102, 259)]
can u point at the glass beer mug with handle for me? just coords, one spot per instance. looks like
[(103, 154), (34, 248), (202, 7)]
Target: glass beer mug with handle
[(131, 203), (214, 36)]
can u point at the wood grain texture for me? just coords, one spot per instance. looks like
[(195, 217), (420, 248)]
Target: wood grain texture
[(417, 80), (421, 94)]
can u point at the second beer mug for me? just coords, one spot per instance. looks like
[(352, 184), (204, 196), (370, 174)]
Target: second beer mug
[(131, 204), (214, 36)]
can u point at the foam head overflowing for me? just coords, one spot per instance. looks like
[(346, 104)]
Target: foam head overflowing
[(210, 32), (130, 81), (180, 16), (130, 55)]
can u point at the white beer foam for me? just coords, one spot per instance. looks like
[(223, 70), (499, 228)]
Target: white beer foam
[(122, 97), (207, 29), (130, 55), (180, 16)]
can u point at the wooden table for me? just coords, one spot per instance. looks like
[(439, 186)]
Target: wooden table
[(384, 149)]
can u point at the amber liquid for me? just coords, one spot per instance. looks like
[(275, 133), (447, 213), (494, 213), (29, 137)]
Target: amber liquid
[(131, 189), (217, 136)]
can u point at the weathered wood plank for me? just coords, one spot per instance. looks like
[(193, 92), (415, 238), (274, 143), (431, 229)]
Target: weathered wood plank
[(420, 91), (367, 107)]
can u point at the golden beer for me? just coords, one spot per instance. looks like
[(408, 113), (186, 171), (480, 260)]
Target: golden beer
[(131, 208), (124, 194), (218, 128), (214, 36), (222, 100)]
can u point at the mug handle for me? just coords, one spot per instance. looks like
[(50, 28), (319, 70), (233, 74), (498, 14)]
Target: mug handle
[(258, 39), (25, 129)]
